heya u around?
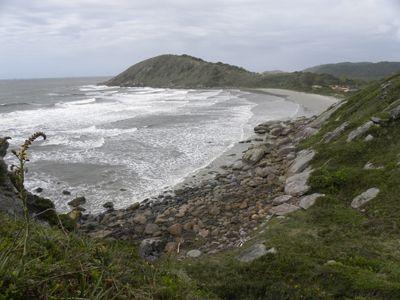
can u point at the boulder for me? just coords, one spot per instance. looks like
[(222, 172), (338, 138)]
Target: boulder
[(283, 209), (66, 193), (193, 253), (333, 135), (395, 113), (150, 249), (175, 229), (254, 155), (368, 138), (264, 172), (322, 118), (152, 229), (109, 205), (302, 161), (365, 197), (359, 131), (281, 199), (254, 252), (296, 185), (77, 201), (140, 219), (285, 150), (307, 201)]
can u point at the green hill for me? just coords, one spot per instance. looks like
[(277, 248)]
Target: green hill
[(362, 70), (183, 71)]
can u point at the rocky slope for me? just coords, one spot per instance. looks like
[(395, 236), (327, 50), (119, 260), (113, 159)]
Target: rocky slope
[(361, 71), (183, 71)]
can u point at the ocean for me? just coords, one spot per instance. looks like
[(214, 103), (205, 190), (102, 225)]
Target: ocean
[(123, 144)]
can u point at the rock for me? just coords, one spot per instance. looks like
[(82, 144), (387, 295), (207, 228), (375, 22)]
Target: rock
[(371, 166), (283, 209), (307, 201), (204, 233), (333, 135), (150, 249), (38, 190), (264, 172), (286, 150), (276, 131), (101, 234), (75, 214), (152, 229), (193, 253), (140, 219), (170, 247), (296, 185), (254, 252), (306, 132), (214, 210), (109, 205), (77, 201), (243, 205), (272, 250), (66, 193), (395, 113), (281, 199), (368, 138), (254, 155), (237, 165), (175, 229), (359, 131), (317, 123), (134, 206), (365, 197), (377, 120), (302, 161)]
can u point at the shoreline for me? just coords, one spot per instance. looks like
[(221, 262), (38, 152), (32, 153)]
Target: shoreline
[(309, 105)]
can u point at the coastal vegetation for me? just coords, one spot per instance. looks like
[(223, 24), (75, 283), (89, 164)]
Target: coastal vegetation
[(331, 250), (358, 71), (184, 71)]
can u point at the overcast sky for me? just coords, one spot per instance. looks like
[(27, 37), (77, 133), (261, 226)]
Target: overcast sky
[(57, 38)]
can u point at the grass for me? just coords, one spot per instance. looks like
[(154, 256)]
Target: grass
[(330, 251)]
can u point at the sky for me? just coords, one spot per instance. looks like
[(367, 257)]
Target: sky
[(69, 38)]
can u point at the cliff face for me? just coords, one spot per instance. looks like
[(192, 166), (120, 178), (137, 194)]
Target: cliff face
[(9, 201)]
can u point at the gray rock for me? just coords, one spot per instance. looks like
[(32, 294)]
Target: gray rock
[(283, 209), (109, 205), (322, 118), (237, 165), (150, 249), (281, 199), (359, 131), (368, 138), (365, 197), (371, 166), (395, 113), (296, 185), (77, 201), (152, 229), (302, 161), (254, 252), (307, 201), (254, 155), (264, 172), (193, 253), (333, 135), (286, 150)]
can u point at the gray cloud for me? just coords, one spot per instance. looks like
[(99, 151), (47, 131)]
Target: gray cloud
[(44, 38)]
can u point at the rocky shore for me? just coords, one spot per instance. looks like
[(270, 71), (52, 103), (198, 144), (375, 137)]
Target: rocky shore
[(219, 213)]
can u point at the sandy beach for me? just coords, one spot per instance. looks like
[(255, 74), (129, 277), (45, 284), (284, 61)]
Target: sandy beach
[(309, 105)]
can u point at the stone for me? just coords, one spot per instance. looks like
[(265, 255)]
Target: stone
[(150, 249), (38, 190), (369, 138), (214, 210), (66, 193), (193, 253), (359, 131), (170, 247), (101, 234), (75, 214), (134, 206), (302, 161), (237, 166), (281, 199), (333, 135), (77, 201), (322, 118), (307, 201), (175, 229), (296, 185), (254, 252), (276, 131), (365, 197), (254, 155), (109, 205), (243, 205), (140, 219), (272, 250), (395, 113), (283, 209), (204, 233), (264, 172), (371, 166), (286, 150), (152, 229), (306, 132)]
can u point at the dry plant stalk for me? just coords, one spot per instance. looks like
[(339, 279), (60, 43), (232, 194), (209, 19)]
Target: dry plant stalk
[(19, 175)]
